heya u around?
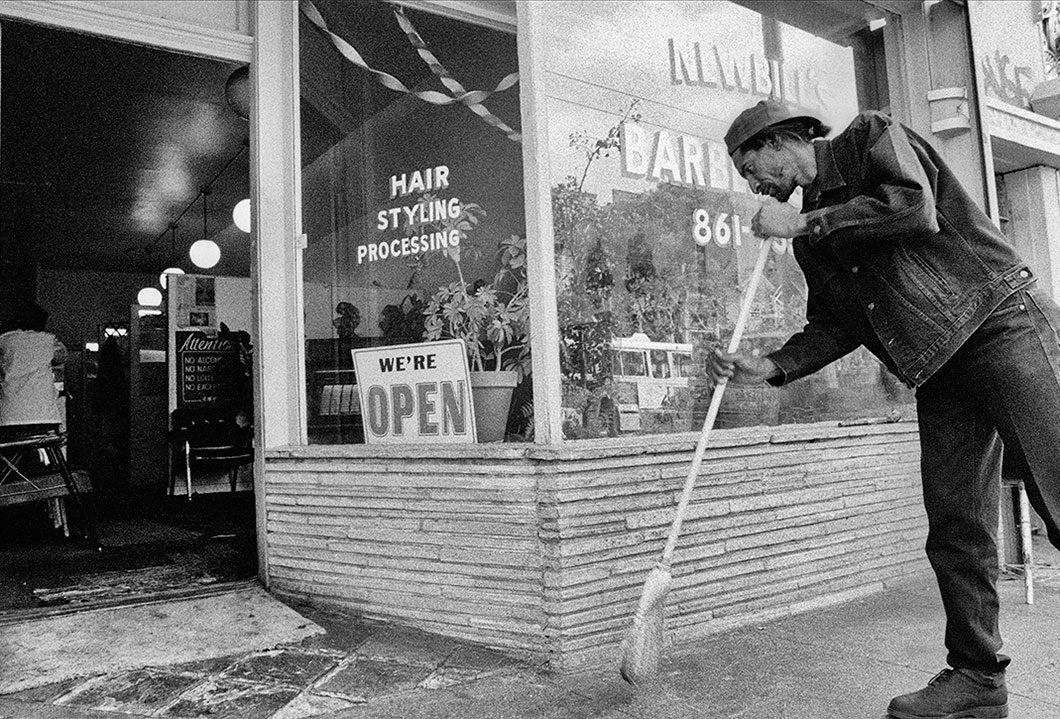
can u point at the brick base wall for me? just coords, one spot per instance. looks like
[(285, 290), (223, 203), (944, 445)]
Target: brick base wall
[(543, 551)]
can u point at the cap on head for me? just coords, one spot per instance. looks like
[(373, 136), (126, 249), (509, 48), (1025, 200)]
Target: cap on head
[(756, 118)]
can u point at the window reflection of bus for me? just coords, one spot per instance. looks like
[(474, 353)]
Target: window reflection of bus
[(652, 379)]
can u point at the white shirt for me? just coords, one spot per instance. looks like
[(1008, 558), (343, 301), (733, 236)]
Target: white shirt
[(27, 387)]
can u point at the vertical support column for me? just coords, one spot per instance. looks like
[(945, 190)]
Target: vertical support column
[(274, 161), (972, 19), (279, 369), (1033, 224), (905, 55), (954, 114), (540, 243), (544, 317)]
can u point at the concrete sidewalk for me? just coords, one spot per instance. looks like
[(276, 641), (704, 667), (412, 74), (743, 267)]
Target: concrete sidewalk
[(846, 661)]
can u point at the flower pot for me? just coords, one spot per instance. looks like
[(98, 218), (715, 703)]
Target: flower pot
[(491, 393)]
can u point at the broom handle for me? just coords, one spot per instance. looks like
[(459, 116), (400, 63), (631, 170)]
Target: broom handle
[(715, 402)]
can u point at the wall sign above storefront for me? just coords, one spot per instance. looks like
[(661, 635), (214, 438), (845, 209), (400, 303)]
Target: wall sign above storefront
[(751, 74), (416, 393)]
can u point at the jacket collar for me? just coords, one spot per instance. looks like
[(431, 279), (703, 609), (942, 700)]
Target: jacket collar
[(828, 175)]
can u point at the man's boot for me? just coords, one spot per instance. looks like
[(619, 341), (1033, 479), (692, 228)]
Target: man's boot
[(955, 694)]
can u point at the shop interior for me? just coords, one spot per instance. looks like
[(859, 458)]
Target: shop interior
[(120, 169)]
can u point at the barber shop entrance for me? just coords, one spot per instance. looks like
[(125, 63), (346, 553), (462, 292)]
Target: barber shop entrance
[(125, 232)]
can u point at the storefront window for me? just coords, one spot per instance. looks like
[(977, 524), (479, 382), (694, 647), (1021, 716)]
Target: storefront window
[(652, 224), (412, 200)]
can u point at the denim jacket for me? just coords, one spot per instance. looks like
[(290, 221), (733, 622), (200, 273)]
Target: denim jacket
[(897, 256)]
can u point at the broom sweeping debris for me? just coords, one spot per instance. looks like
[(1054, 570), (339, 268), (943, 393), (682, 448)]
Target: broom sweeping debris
[(642, 645)]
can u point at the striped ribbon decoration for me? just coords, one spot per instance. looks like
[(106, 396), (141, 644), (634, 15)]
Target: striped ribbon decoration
[(451, 82), (472, 99)]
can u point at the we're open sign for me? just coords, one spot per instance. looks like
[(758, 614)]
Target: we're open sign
[(417, 393)]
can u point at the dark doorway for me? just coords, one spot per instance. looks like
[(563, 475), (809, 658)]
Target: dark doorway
[(107, 151)]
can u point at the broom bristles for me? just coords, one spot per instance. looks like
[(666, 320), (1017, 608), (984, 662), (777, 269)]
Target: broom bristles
[(642, 646)]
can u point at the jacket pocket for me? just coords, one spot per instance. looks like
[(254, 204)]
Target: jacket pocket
[(924, 273)]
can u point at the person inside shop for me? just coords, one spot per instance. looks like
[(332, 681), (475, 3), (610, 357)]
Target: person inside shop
[(234, 376), (346, 324), (899, 258), (348, 320), (111, 404), (28, 398)]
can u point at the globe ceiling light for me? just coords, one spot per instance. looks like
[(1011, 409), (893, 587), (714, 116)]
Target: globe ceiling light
[(162, 278), (237, 91), (241, 214), (205, 253), (149, 297)]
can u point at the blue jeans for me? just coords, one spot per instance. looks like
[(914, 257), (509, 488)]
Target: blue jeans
[(999, 395)]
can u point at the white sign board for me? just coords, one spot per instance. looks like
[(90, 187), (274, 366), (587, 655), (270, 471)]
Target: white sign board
[(417, 393)]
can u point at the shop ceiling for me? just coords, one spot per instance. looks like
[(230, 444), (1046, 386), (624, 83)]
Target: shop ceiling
[(104, 144)]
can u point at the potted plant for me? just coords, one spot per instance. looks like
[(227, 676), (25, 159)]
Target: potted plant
[(492, 319)]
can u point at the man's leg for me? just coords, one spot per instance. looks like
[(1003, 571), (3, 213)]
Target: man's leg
[(1024, 398), (1006, 376), (960, 470)]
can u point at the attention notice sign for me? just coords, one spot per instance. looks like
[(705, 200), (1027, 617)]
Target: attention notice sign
[(416, 393), (203, 362)]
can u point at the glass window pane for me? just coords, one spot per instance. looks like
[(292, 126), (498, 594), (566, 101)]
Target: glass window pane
[(652, 224), (412, 201), (660, 364), (633, 364), (682, 364)]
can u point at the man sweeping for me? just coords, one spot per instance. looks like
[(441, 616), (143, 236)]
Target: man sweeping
[(899, 258)]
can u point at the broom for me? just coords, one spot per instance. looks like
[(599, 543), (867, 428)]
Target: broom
[(642, 645)]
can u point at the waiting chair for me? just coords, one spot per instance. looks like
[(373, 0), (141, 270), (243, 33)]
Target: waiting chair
[(210, 435)]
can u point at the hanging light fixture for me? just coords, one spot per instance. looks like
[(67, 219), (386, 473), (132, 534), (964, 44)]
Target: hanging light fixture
[(162, 278), (172, 269), (205, 253), (149, 297), (241, 214), (237, 91)]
